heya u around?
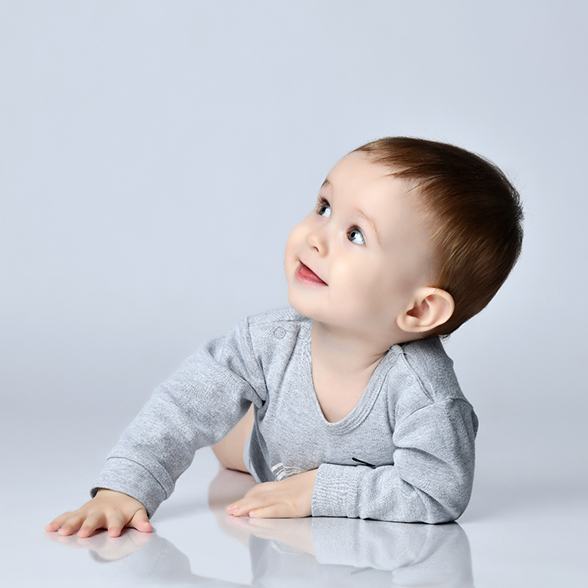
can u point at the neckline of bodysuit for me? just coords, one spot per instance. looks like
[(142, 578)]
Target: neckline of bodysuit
[(369, 395)]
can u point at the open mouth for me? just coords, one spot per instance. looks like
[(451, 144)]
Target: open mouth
[(307, 275)]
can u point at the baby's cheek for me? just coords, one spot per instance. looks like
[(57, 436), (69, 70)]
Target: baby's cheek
[(381, 297)]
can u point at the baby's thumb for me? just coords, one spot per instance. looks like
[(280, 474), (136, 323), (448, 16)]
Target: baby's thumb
[(140, 521)]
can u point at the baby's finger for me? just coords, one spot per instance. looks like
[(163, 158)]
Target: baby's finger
[(243, 506), (92, 522), (273, 511), (115, 521), (141, 522), (57, 521), (71, 524)]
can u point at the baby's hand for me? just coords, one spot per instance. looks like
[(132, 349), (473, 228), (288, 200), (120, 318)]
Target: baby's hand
[(107, 510), (288, 498)]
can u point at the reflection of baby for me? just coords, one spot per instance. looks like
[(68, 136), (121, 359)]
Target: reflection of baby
[(408, 240)]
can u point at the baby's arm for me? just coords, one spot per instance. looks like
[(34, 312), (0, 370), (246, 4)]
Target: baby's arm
[(195, 407), (429, 481)]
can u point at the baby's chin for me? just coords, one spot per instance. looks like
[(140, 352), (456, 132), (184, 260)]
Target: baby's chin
[(293, 302), (307, 308)]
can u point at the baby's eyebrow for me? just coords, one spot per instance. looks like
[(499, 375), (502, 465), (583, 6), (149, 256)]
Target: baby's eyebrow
[(328, 183)]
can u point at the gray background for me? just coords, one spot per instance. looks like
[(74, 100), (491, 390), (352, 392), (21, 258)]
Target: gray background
[(154, 156)]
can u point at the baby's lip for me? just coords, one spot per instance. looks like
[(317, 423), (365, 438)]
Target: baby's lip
[(308, 267)]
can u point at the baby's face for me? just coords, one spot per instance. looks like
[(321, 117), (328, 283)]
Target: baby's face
[(371, 270)]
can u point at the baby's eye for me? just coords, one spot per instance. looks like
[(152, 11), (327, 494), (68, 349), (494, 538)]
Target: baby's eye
[(357, 230), (323, 202)]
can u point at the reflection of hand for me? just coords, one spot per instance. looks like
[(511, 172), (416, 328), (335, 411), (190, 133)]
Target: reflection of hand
[(296, 533), (291, 497), (105, 546)]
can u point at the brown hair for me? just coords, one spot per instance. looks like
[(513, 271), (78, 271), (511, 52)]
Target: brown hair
[(475, 213)]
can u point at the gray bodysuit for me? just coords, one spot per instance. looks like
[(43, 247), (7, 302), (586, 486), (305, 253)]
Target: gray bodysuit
[(406, 452)]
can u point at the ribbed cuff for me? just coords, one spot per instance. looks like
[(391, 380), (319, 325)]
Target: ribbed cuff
[(127, 476), (334, 493)]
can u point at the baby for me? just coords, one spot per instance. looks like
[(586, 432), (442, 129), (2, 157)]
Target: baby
[(344, 402)]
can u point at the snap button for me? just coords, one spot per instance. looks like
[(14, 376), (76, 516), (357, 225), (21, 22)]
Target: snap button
[(279, 332)]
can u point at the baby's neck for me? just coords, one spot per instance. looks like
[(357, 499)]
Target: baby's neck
[(340, 357)]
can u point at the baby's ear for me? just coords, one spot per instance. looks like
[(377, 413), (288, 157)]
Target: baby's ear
[(431, 307)]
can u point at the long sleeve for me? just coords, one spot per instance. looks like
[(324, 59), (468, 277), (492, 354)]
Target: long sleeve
[(430, 479), (195, 407)]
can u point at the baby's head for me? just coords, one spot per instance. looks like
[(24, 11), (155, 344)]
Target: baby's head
[(441, 233)]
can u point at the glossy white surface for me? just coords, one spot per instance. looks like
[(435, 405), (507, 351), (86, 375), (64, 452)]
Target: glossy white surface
[(499, 541)]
